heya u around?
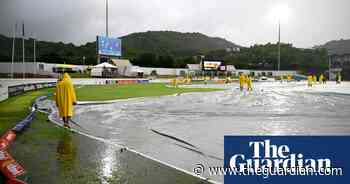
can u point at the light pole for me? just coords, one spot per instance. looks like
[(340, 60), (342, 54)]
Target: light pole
[(34, 46), (329, 66), (13, 49), (23, 59), (279, 46), (98, 55), (106, 18)]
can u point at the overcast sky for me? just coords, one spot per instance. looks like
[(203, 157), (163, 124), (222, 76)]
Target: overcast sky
[(304, 23)]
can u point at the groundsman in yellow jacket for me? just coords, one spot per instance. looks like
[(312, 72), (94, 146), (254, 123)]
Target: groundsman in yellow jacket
[(242, 81), (65, 98), (321, 79), (249, 83), (339, 78), (309, 80), (314, 79)]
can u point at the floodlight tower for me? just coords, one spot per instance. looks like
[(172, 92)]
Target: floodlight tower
[(13, 49), (107, 34), (34, 53), (281, 12), (106, 18), (329, 67), (23, 50), (279, 45)]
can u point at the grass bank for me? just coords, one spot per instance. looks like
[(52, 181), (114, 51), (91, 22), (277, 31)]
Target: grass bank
[(57, 156), (16, 108)]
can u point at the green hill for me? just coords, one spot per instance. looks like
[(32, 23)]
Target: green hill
[(339, 47), (174, 49), (173, 43), (160, 44)]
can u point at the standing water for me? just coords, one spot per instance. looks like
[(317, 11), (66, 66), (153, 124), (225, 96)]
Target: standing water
[(189, 129)]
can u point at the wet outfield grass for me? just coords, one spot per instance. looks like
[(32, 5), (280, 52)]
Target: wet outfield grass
[(112, 92), (54, 155), (16, 108)]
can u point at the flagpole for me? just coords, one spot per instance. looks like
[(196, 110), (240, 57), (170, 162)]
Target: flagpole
[(279, 45), (13, 49), (34, 55), (329, 66), (23, 59), (107, 18)]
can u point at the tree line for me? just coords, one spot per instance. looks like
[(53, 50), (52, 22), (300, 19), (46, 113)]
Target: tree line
[(262, 57)]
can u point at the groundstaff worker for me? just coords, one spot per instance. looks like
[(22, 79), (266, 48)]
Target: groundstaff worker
[(249, 83), (322, 79), (338, 78), (65, 99), (242, 81), (309, 80)]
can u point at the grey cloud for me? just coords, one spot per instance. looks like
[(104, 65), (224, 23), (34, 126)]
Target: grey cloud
[(241, 21)]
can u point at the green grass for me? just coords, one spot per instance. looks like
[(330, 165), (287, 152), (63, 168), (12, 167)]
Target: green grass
[(38, 148), (80, 75), (16, 108), (49, 154), (201, 82), (112, 92)]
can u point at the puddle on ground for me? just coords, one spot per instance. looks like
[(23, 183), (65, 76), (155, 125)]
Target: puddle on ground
[(202, 119)]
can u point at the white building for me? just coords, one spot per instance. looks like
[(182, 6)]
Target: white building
[(164, 71), (267, 73), (197, 69), (104, 70), (125, 68), (46, 69)]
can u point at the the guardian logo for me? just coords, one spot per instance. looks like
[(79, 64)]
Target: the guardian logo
[(267, 155), (285, 159)]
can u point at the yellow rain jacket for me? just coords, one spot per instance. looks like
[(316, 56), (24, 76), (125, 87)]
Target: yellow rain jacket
[(309, 80), (65, 96), (242, 81), (339, 78), (174, 82), (314, 79), (249, 83), (321, 78)]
